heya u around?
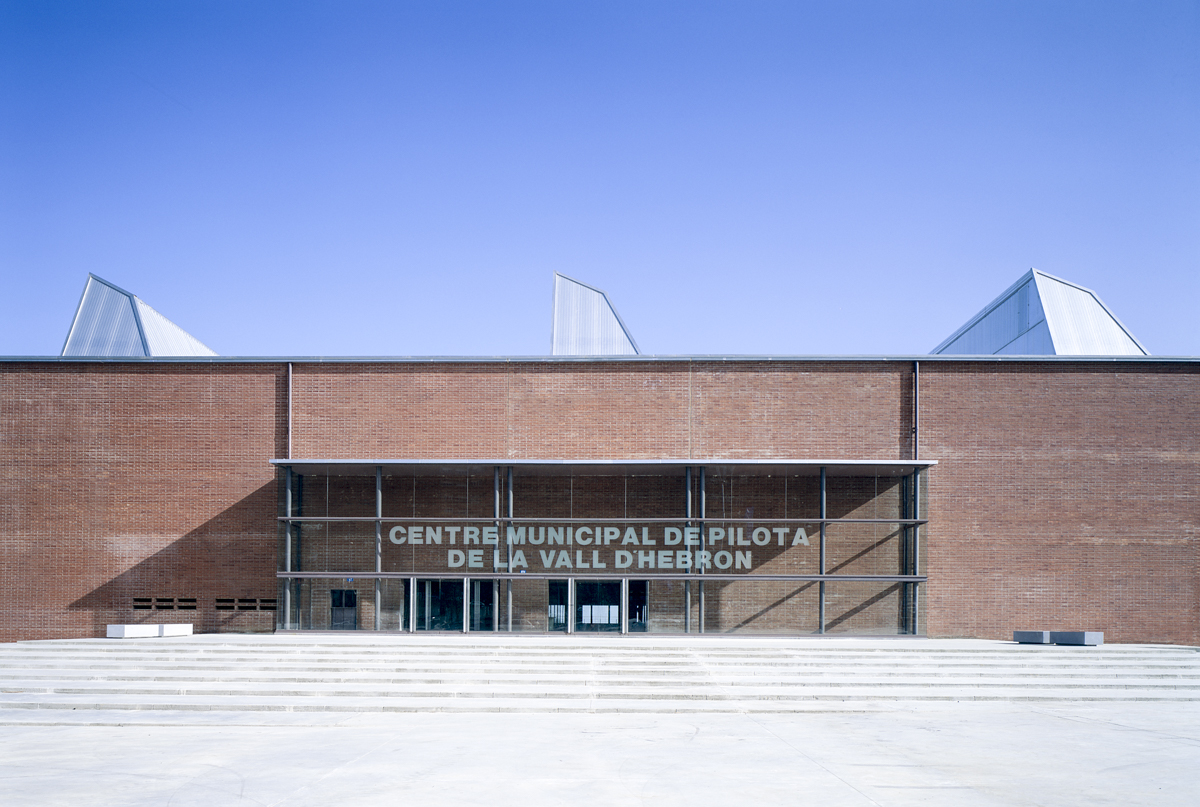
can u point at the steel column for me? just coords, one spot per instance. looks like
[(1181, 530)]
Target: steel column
[(287, 550), (378, 540), (916, 549), (624, 606), (509, 547), (702, 513), (570, 605), (821, 585), (412, 605), (466, 606), (687, 584), (496, 515)]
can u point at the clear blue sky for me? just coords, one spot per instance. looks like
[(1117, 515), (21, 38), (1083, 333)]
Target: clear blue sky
[(403, 178)]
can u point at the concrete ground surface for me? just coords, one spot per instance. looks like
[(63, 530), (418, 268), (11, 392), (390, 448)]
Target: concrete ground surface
[(1120, 752)]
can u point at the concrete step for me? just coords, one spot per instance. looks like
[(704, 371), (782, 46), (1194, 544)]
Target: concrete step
[(302, 673)]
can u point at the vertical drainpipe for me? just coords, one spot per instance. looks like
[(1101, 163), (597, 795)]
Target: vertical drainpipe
[(821, 588), (289, 412), (916, 410)]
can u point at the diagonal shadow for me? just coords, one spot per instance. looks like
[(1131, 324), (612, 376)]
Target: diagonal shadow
[(232, 555), (766, 609), (864, 605)]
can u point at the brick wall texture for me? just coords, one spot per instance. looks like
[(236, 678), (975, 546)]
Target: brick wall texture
[(1065, 494)]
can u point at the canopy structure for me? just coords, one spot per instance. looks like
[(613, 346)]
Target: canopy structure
[(113, 322), (586, 323), (1043, 315)]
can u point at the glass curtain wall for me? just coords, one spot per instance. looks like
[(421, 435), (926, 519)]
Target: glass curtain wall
[(739, 548)]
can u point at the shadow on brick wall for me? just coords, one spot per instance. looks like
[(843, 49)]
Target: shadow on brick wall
[(232, 556)]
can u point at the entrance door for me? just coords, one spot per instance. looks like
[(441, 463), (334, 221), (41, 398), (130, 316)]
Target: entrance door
[(483, 612), (598, 606), (343, 607), (439, 605), (557, 615), (639, 605)]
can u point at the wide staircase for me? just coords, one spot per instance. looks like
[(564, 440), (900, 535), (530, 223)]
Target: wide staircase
[(474, 673)]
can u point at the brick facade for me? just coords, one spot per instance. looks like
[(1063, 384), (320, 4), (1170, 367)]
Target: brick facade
[(1065, 494)]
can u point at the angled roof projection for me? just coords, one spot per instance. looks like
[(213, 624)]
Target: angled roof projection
[(585, 322), (112, 322), (1043, 315)]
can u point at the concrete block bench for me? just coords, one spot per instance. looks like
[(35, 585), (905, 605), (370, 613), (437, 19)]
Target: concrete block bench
[(1031, 636), (1089, 638), (147, 631)]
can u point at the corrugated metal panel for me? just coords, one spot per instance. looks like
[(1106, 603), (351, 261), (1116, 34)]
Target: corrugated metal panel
[(1002, 323), (1080, 324), (1034, 342), (585, 322), (105, 323), (113, 322), (165, 338), (1042, 315)]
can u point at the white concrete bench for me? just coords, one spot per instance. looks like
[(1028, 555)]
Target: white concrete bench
[(146, 631), (1089, 638)]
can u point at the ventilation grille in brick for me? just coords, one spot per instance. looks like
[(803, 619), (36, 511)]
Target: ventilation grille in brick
[(245, 604), (164, 603)]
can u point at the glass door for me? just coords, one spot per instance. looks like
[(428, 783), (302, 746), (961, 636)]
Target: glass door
[(483, 612), (343, 609), (598, 606), (440, 605)]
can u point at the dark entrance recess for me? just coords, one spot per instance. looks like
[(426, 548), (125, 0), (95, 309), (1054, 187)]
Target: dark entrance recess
[(343, 609), (598, 606), (639, 602), (440, 604), (558, 605)]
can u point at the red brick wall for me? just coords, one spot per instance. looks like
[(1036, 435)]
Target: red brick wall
[(1065, 495), (135, 480), (1065, 498), (603, 410)]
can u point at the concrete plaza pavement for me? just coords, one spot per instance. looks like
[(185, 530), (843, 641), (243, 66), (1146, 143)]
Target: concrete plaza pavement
[(886, 752)]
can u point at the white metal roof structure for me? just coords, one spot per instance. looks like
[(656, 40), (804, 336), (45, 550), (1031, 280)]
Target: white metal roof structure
[(1043, 315), (113, 322), (585, 322)]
